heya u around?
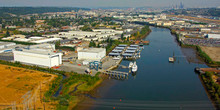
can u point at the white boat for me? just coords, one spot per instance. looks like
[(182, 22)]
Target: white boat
[(134, 67), (171, 59), (130, 65), (116, 58)]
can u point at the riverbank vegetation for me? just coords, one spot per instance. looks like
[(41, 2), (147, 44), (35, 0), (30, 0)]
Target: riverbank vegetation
[(141, 34), (212, 86), (74, 85), (73, 89), (200, 53)]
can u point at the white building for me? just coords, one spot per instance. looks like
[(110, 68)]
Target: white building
[(92, 54), (7, 46), (104, 30), (205, 30), (47, 40), (41, 58), (214, 36)]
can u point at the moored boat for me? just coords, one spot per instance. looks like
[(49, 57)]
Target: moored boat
[(171, 59), (130, 65), (134, 67)]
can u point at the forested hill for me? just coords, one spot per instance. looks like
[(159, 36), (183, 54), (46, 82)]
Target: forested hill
[(4, 11)]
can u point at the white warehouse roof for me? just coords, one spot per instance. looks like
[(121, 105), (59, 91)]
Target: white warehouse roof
[(47, 40)]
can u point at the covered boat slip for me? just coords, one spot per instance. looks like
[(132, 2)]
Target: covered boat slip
[(132, 48), (130, 51), (119, 48), (127, 55), (122, 45), (126, 51), (114, 54), (117, 51)]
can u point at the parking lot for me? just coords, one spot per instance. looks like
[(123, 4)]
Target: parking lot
[(203, 42)]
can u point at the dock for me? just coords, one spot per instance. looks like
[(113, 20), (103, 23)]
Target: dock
[(117, 74), (127, 52), (210, 70), (203, 70)]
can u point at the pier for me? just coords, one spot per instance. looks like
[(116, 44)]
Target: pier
[(116, 74), (127, 52), (203, 70)]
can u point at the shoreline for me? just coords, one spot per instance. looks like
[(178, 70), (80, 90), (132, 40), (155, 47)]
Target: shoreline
[(104, 78), (200, 57), (176, 39)]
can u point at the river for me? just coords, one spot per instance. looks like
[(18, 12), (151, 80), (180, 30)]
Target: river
[(158, 84)]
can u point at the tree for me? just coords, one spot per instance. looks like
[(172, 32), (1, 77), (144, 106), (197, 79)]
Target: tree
[(57, 44), (127, 38), (7, 33), (92, 44), (86, 28), (122, 36)]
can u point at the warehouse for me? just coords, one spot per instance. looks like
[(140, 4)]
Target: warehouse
[(92, 54), (213, 36), (7, 46), (40, 58), (47, 40)]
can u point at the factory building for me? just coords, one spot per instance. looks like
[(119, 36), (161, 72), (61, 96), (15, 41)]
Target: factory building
[(7, 46), (92, 54), (213, 36), (40, 58)]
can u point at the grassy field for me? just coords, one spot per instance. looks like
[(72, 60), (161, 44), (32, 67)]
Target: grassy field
[(15, 82), (213, 52)]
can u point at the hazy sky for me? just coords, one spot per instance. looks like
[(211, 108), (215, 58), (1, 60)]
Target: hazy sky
[(110, 3)]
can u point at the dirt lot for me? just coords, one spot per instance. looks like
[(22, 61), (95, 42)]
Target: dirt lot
[(16, 82), (212, 52)]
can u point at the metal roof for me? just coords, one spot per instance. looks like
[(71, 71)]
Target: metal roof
[(130, 51), (127, 54), (120, 48), (122, 45), (114, 54)]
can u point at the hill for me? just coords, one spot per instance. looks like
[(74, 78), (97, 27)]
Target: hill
[(6, 11)]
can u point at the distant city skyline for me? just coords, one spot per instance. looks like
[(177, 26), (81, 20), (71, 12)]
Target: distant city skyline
[(111, 3)]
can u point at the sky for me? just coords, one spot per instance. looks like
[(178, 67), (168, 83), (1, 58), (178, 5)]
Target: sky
[(110, 3)]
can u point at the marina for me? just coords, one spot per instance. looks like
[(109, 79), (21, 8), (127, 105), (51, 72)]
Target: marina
[(131, 52), (157, 82)]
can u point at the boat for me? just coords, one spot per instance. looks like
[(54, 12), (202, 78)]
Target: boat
[(134, 67), (171, 59), (117, 58), (130, 65)]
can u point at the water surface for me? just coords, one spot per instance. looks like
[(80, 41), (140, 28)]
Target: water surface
[(158, 84)]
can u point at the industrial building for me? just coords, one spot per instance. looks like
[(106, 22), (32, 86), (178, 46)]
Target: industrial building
[(6, 46), (40, 58), (213, 36), (92, 54)]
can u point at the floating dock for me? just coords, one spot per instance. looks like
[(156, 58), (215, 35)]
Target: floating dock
[(116, 74), (203, 70)]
